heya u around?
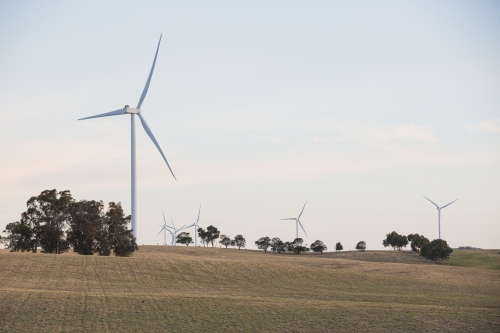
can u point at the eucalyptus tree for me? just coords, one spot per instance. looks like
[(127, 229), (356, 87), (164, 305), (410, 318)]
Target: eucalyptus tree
[(263, 243), (225, 240), (239, 241), (361, 246), (318, 246)]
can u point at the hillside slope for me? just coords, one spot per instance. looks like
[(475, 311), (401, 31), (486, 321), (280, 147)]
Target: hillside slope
[(172, 289)]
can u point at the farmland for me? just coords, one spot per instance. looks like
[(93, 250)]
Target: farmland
[(190, 289)]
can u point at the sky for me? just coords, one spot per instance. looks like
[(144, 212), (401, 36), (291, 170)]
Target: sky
[(360, 108)]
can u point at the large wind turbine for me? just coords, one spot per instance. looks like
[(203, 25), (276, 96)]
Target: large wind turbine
[(297, 222), (439, 213), (195, 225), (137, 111)]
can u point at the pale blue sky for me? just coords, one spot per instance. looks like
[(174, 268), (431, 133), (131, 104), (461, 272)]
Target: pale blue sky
[(359, 108)]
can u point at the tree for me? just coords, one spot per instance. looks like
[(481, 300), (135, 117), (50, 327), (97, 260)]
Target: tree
[(184, 238), (202, 233), (119, 239), (417, 241), (395, 240), (277, 245), (263, 243), (225, 240), (361, 246), (239, 241), (338, 247), (43, 224), (85, 221), (296, 246), (211, 235), (437, 250), (19, 237), (318, 246)]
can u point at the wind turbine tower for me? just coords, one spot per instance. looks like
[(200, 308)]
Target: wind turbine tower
[(297, 222), (195, 225), (137, 111), (439, 213)]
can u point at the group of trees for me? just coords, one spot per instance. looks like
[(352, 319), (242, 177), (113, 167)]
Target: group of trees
[(210, 237), (437, 250), (54, 222), (296, 246), (239, 241)]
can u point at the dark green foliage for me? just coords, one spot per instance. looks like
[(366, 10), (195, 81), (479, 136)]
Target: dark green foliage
[(395, 240), (318, 246), (361, 246), (239, 241), (277, 245), (437, 250), (338, 247), (417, 241), (202, 233), (208, 236), (120, 239), (225, 240), (19, 237), (263, 243), (184, 238), (49, 212), (297, 247), (85, 220), (54, 221)]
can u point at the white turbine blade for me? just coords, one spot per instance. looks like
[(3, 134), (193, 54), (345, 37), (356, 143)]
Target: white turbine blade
[(290, 218), (198, 219), (181, 228), (164, 219), (173, 224), (107, 114), (432, 202), (160, 231), (449, 204), (148, 130), (146, 87), (192, 225), (302, 210), (303, 229)]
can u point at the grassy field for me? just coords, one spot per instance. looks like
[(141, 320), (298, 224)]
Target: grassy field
[(174, 289)]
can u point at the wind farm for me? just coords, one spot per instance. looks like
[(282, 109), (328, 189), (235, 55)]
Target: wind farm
[(351, 110)]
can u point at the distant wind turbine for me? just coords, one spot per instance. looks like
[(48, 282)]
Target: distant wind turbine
[(297, 222), (195, 225), (164, 229), (439, 213), (174, 233), (137, 111)]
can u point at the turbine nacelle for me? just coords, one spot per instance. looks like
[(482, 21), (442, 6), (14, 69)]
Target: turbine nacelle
[(131, 110)]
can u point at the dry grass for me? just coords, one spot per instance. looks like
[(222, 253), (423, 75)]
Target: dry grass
[(172, 289)]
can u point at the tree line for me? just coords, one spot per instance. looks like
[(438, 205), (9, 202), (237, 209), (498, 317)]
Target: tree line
[(55, 222), (437, 250)]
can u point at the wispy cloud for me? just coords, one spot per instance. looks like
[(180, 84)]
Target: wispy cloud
[(492, 126)]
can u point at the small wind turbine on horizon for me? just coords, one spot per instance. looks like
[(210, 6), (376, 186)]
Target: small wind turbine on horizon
[(174, 234), (297, 222), (164, 229), (439, 213), (137, 111), (195, 225)]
